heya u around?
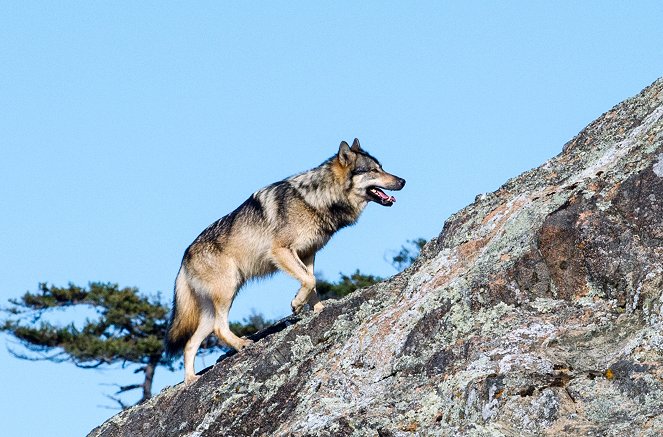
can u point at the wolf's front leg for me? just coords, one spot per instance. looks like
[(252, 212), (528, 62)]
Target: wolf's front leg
[(314, 302), (287, 260), (314, 297)]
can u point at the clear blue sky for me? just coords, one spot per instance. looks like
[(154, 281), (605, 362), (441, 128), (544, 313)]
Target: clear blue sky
[(128, 127)]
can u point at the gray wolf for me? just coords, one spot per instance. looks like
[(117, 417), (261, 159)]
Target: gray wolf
[(281, 226)]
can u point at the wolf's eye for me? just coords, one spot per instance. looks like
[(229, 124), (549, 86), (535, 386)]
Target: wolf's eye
[(360, 170)]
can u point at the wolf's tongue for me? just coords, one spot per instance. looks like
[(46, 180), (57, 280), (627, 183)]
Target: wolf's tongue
[(391, 199), (383, 195)]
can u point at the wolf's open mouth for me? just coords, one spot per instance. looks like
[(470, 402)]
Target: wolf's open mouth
[(379, 196)]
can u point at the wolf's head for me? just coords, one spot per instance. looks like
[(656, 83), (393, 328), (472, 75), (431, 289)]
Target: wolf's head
[(366, 177)]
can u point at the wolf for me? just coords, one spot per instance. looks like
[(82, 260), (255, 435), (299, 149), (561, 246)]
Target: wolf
[(281, 226)]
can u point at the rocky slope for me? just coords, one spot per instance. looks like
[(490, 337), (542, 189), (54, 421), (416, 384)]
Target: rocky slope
[(537, 311)]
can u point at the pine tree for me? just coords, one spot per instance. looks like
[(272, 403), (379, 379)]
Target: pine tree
[(407, 254), (129, 329)]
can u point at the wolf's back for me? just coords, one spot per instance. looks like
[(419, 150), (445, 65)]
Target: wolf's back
[(185, 315)]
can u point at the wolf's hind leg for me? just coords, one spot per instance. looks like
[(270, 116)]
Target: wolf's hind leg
[(205, 327), (222, 296), (287, 260)]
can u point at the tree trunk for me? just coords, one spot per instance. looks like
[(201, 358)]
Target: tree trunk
[(149, 376)]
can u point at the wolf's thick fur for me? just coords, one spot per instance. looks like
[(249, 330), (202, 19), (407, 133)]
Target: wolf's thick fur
[(281, 226)]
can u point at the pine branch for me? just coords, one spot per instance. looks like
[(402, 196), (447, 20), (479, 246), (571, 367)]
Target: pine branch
[(53, 358), (91, 366)]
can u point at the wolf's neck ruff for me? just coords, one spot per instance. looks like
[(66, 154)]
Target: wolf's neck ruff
[(317, 187), (329, 199)]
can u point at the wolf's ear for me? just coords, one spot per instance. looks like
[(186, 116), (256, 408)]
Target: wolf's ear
[(355, 145), (345, 154)]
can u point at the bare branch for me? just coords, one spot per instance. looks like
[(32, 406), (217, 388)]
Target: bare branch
[(126, 388), (123, 406)]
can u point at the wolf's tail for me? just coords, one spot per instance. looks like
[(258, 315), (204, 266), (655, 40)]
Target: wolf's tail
[(184, 317)]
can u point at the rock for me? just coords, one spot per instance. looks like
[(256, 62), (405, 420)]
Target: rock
[(537, 311)]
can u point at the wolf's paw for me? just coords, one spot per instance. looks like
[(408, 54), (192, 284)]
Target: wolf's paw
[(318, 307), (296, 307), (190, 379), (244, 342)]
